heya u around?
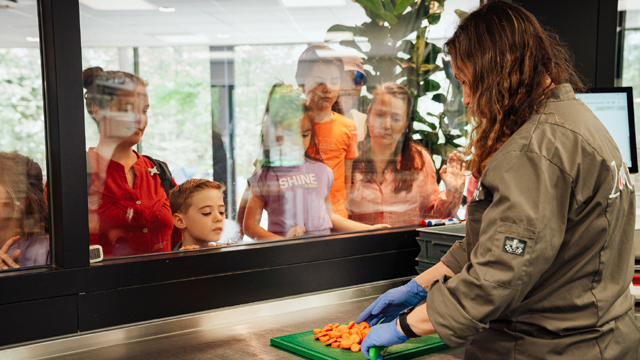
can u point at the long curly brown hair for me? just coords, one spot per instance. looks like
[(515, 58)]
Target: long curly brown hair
[(510, 64)]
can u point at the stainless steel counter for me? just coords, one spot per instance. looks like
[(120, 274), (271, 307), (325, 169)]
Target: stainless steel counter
[(241, 332)]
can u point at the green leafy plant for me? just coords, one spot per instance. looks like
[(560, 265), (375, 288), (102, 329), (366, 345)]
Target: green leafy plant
[(394, 55)]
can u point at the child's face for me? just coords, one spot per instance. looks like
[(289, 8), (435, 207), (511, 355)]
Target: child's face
[(126, 116), (322, 86), (305, 130), (205, 217)]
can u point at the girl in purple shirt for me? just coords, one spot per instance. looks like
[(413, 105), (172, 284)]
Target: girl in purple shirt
[(24, 218), (291, 185)]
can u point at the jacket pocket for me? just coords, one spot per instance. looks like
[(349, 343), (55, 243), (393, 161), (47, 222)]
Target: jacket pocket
[(511, 252)]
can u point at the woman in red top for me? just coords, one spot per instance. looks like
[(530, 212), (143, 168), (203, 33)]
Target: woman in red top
[(129, 212), (394, 179)]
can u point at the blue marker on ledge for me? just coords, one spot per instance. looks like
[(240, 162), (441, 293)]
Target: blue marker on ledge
[(440, 222)]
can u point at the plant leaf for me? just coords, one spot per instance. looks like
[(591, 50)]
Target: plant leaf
[(377, 7), (427, 67), (433, 18), (431, 85), (401, 6), (352, 44), (439, 98), (405, 47), (388, 6), (355, 30), (461, 14)]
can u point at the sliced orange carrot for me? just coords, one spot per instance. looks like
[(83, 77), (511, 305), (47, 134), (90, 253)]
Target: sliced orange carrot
[(343, 328), (357, 332), (355, 347), (324, 338), (363, 325), (364, 333), (319, 335), (355, 338), (334, 334), (346, 344), (336, 325), (317, 331), (328, 342), (335, 344), (351, 325), (346, 336)]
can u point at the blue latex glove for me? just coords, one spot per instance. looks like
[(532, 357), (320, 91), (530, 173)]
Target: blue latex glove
[(385, 335), (391, 303)]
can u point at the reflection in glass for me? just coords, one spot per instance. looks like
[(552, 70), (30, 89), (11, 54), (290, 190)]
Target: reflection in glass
[(319, 75), (24, 216), (292, 183), (394, 179), (210, 67), (129, 212)]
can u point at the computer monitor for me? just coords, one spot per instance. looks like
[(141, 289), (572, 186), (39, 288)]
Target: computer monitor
[(614, 108)]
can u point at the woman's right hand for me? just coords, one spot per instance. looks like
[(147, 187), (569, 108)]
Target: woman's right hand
[(9, 261), (296, 231), (391, 303)]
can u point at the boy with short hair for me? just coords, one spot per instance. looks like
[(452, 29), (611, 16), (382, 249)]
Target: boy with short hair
[(198, 211)]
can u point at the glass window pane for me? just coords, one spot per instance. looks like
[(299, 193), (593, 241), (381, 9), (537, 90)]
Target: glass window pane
[(276, 103), (24, 214)]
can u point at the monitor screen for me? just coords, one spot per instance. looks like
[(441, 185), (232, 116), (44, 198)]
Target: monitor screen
[(613, 107)]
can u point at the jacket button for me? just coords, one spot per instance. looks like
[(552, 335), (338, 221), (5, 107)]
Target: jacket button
[(145, 230), (138, 202)]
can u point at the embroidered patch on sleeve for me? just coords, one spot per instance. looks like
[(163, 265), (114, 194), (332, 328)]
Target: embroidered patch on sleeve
[(514, 246)]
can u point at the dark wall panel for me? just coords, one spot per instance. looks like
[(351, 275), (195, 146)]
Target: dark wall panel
[(588, 27), (40, 319), (575, 21), (128, 305)]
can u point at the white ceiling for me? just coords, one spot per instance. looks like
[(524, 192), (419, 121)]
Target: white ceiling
[(204, 22)]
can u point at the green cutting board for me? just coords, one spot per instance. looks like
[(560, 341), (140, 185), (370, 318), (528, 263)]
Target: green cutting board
[(304, 344)]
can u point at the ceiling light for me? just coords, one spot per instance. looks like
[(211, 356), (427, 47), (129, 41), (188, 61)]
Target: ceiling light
[(112, 5), (223, 36), (33, 39), (314, 3), (166, 9)]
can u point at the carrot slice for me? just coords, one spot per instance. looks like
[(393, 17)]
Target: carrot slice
[(324, 338), (351, 325), (364, 333), (319, 335), (335, 344), (317, 331), (357, 332), (346, 344), (336, 325), (355, 338), (346, 336), (328, 342), (363, 325), (355, 347)]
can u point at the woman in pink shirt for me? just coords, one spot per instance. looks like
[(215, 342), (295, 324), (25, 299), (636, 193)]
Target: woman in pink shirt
[(394, 179)]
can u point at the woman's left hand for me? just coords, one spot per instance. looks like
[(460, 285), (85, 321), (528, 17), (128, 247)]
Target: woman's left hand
[(453, 173)]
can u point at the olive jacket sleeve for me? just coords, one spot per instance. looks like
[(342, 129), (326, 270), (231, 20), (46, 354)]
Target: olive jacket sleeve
[(522, 230)]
